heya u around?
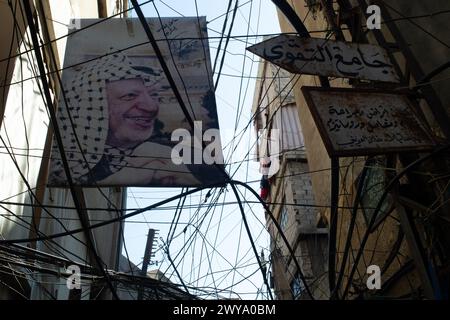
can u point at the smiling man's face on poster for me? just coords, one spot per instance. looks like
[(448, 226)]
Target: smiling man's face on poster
[(118, 112)]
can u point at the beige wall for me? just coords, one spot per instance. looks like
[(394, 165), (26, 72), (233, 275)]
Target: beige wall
[(435, 37), (9, 41), (25, 127), (318, 159), (380, 241), (292, 185)]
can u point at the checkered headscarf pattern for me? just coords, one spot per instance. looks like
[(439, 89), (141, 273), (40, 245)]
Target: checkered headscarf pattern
[(87, 103)]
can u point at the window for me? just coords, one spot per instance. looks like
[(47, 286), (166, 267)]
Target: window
[(284, 218), (297, 286), (373, 187), (314, 6)]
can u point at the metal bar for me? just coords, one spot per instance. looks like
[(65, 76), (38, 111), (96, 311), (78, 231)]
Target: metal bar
[(40, 61), (388, 188), (333, 223), (280, 232), (298, 25), (102, 9), (417, 251), (351, 20), (335, 293), (294, 19), (430, 94), (162, 62), (148, 251), (247, 228), (382, 42), (331, 18), (43, 170), (435, 72), (147, 255)]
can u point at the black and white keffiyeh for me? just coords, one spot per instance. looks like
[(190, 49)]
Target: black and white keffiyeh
[(86, 98)]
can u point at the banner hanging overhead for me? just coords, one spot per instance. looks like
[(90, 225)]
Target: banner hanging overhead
[(355, 122), (326, 57), (120, 121)]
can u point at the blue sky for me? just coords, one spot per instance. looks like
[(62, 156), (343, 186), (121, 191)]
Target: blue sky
[(219, 254)]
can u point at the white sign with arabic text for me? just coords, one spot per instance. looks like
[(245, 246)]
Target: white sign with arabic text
[(324, 57), (362, 122)]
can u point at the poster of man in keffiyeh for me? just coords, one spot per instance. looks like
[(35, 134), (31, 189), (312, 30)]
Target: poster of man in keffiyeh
[(117, 113)]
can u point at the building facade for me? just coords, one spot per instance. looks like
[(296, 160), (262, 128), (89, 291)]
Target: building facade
[(287, 188), (406, 239), (29, 209)]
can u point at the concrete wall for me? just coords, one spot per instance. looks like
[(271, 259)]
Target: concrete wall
[(275, 108), (423, 34), (10, 38), (308, 242), (382, 239), (24, 129)]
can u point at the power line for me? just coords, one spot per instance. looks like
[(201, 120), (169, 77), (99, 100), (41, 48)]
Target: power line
[(223, 32), (410, 19), (236, 37), (173, 62), (48, 98), (380, 202), (171, 208), (123, 217), (226, 44)]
